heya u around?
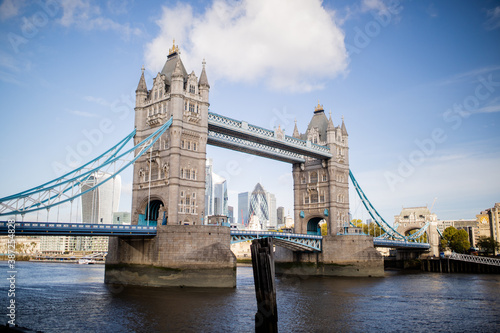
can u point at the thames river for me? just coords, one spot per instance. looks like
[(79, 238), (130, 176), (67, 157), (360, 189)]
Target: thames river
[(53, 297)]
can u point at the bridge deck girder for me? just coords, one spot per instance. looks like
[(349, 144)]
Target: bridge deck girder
[(296, 242)]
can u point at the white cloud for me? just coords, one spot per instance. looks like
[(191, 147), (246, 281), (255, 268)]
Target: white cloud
[(83, 15), (291, 45), (97, 100), (13, 63), (469, 76), (84, 114), (493, 106), (432, 11), (378, 5), (493, 21), (10, 8)]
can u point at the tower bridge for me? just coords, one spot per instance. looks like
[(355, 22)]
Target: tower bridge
[(172, 129)]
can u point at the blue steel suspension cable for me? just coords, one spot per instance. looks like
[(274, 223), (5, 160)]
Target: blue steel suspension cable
[(368, 205), (118, 147), (153, 137)]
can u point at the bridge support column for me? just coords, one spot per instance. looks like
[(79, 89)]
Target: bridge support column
[(191, 256), (341, 256), (434, 239)]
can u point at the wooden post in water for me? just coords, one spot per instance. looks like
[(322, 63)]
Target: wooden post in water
[(266, 318)]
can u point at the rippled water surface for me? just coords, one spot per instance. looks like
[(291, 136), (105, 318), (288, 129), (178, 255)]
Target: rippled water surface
[(55, 297)]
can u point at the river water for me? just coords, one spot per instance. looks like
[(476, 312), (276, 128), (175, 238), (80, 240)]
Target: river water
[(53, 297)]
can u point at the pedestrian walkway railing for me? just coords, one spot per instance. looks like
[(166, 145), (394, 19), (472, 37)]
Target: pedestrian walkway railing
[(476, 259)]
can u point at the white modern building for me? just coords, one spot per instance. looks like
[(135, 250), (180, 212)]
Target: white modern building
[(98, 205), (215, 192)]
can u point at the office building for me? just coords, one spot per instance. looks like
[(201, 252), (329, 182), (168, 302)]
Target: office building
[(215, 192)]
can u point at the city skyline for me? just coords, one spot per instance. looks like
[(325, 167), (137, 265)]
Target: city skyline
[(417, 83)]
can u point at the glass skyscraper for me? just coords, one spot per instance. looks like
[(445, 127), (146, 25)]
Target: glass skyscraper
[(263, 205)]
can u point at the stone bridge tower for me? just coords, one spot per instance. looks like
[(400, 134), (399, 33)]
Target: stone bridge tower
[(321, 187), (321, 193), (169, 181), (168, 191), (412, 219)]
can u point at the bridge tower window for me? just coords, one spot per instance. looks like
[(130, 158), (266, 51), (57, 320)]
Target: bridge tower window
[(314, 196), (154, 170), (314, 177)]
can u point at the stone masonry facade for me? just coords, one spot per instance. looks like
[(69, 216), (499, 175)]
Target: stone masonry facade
[(321, 187)]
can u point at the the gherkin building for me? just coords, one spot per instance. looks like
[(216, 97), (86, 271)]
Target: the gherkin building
[(263, 205)]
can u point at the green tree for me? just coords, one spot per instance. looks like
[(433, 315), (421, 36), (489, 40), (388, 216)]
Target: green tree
[(446, 239), (460, 241), (488, 244), (421, 239), (455, 240), (370, 229)]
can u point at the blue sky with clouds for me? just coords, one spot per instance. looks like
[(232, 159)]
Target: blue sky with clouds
[(418, 83)]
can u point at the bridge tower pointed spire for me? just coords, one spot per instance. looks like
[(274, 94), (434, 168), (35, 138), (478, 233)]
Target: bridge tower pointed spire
[(296, 133), (142, 90), (344, 130)]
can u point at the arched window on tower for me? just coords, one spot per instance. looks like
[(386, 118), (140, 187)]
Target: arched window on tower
[(314, 177), (154, 170)]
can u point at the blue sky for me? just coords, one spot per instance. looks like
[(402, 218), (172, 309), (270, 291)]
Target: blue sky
[(418, 83)]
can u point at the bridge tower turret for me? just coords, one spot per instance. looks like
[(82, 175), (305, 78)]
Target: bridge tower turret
[(321, 187), (168, 190), (141, 93), (169, 180)]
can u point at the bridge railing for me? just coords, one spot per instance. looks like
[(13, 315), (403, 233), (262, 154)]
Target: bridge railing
[(241, 126), (294, 242), (213, 135), (54, 229), (475, 259), (380, 242), (272, 233)]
